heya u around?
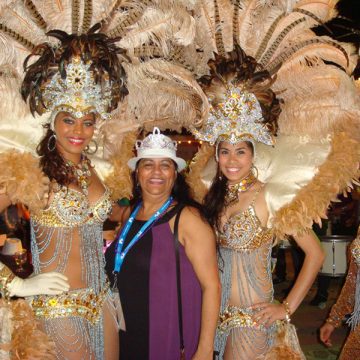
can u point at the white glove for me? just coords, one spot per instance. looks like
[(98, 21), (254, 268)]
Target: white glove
[(51, 283)]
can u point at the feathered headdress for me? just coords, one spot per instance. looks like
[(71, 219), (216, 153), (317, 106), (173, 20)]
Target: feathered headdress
[(84, 55), (242, 105), (317, 150)]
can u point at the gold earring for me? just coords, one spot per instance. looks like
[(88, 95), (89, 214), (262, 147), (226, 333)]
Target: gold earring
[(254, 171)]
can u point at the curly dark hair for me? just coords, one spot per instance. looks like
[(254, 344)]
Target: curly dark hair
[(215, 198), (51, 162), (97, 47), (242, 71)]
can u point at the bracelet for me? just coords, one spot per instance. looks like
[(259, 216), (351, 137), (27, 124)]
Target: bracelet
[(6, 277), (287, 311)]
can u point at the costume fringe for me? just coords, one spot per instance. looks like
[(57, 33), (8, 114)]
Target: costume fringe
[(21, 179), (119, 181), (311, 202), (193, 178), (286, 345), (27, 342)]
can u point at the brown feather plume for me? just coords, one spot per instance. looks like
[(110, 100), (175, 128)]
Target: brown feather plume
[(88, 11), (133, 16), (95, 46), (218, 31), (17, 37), (35, 14), (285, 55), (240, 70), (75, 16)]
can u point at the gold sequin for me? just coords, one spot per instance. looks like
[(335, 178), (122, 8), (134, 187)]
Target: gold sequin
[(235, 317), (83, 302), (71, 208), (243, 231)]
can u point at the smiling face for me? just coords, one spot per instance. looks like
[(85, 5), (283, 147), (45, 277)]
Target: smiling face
[(156, 176), (73, 134), (235, 161)]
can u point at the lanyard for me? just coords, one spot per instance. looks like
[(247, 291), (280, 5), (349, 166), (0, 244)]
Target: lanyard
[(120, 253)]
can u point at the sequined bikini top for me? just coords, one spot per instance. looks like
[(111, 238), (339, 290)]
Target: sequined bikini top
[(243, 231), (71, 208)]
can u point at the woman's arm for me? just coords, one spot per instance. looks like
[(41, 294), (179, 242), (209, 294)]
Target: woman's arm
[(199, 241), (344, 304), (314, 257)]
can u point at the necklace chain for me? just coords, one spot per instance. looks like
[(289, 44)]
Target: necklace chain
[(233, 190), (81, 173)]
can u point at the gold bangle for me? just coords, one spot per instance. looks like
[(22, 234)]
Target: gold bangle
[(6, 277), (287, 311)]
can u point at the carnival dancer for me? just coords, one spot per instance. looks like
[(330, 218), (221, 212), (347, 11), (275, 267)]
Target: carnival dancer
[(75, 78), (145, 266), (348, 302), (235, 205), (255, 91)]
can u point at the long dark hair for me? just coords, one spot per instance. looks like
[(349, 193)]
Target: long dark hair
[(215, 198), (52, 163), (180, 192)]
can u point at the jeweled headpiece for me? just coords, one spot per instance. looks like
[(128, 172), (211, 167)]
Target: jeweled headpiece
[(81, 75), (237, 118), (78, 93), (155, 146), (242, 105)]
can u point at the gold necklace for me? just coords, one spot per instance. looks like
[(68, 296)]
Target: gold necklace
[(81, 172), (233, 190)]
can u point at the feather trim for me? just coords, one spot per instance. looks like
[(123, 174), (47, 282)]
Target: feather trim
[(27, 342), (22, 179), (197, 165), (119, 182), (334, 176)]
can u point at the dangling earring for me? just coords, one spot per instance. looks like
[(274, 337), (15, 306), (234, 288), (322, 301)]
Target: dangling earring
[(254, 171), (53, 136), (91, 152), (220, 175)]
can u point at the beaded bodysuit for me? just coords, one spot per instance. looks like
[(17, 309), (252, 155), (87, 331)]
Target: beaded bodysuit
[(245, 273), (71, 228)]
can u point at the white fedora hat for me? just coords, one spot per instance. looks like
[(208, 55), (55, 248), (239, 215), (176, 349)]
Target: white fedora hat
[(156, 146)]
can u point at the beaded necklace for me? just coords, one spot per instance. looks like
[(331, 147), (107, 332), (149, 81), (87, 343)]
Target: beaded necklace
[(233, 190), (81, 172)]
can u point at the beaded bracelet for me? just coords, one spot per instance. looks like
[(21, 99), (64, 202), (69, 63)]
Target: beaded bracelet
[(6, 277), (287, 311)]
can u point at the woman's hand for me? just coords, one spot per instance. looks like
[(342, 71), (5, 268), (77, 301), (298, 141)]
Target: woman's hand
[(267, 313), (325, 332)]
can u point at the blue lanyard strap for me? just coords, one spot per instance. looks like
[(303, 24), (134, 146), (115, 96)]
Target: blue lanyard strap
[(120, 253)]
